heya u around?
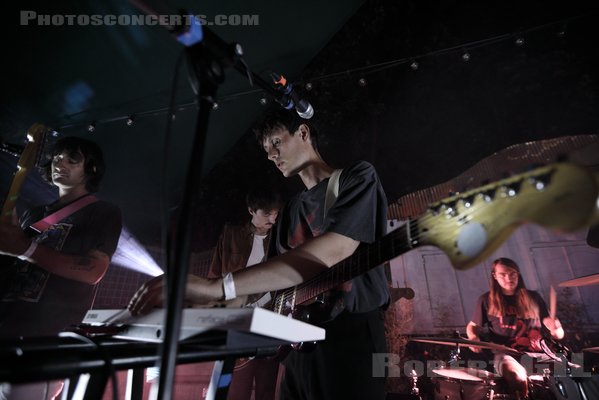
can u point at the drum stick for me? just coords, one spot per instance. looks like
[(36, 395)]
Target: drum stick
[(552, 302)]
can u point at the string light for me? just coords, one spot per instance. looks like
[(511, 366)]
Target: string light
[(411, 61)]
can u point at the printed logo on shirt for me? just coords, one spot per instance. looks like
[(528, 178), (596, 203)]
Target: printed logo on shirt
[(28, 281)]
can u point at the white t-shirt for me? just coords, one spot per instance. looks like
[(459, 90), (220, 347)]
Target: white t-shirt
[(257, 254)]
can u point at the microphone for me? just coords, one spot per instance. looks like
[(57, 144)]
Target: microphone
[(290, 99)]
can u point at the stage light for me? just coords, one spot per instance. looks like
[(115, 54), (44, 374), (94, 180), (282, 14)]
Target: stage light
[(132, 255)]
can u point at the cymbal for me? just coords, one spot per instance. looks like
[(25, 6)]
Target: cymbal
[(465, 343), (466, 374), (587, 280), (591, 349)]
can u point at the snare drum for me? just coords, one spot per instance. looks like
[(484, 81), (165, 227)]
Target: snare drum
[(467, 384), (458, 389)]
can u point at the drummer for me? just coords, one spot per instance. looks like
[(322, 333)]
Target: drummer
[(513, 315)]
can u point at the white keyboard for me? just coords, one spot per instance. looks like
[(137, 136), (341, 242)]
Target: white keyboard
[(258, 321)]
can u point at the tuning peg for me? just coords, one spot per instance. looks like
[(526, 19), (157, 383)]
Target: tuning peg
[(488, 195), (513, 188), (450, 209), (468, 201)]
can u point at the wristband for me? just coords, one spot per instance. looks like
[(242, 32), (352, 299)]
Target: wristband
[(229, 287), (29, 252)]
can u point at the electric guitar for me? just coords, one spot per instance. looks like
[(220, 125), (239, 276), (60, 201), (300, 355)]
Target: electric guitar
[(467, 227), (30, 157)]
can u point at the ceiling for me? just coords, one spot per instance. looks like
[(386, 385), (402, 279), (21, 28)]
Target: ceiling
[(418, 125)]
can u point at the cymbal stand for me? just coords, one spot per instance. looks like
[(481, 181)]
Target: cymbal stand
[(415, 391), (454, 355), (577, 379)]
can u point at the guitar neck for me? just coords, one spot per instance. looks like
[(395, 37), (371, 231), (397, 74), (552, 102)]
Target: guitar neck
[(468, 227), (366, 257), (12, 196), (29, 158)]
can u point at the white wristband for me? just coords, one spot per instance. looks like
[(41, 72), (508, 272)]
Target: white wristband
[(29, 252), (229, 287)]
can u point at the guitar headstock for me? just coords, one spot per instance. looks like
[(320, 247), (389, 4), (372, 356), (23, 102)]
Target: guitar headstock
[(31, 155), (471, 225)]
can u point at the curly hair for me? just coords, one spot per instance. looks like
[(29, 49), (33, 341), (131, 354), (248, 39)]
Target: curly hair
[(76, 147)]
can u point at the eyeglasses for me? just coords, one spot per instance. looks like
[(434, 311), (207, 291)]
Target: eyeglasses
[(504, 275)]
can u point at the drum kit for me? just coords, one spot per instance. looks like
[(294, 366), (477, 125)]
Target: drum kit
[(454, 381)]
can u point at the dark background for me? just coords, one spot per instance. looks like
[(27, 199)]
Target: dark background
[(418, 126)]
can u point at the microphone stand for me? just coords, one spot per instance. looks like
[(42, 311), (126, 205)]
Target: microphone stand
[(206, 62)]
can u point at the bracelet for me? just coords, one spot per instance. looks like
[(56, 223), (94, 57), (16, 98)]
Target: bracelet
[(29, 252), (229, 287)]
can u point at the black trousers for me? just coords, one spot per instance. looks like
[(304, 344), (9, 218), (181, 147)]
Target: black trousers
[(340, 367)]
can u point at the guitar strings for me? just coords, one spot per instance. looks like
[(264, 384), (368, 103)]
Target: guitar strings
[(387, 242)]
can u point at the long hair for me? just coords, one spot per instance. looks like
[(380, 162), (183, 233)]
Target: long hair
[(526, 306)]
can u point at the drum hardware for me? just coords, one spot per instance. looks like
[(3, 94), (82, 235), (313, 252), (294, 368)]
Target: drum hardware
[(415, 391)]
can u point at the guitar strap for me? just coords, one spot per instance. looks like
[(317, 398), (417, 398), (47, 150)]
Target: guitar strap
[(332, 190), (43, 224)]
